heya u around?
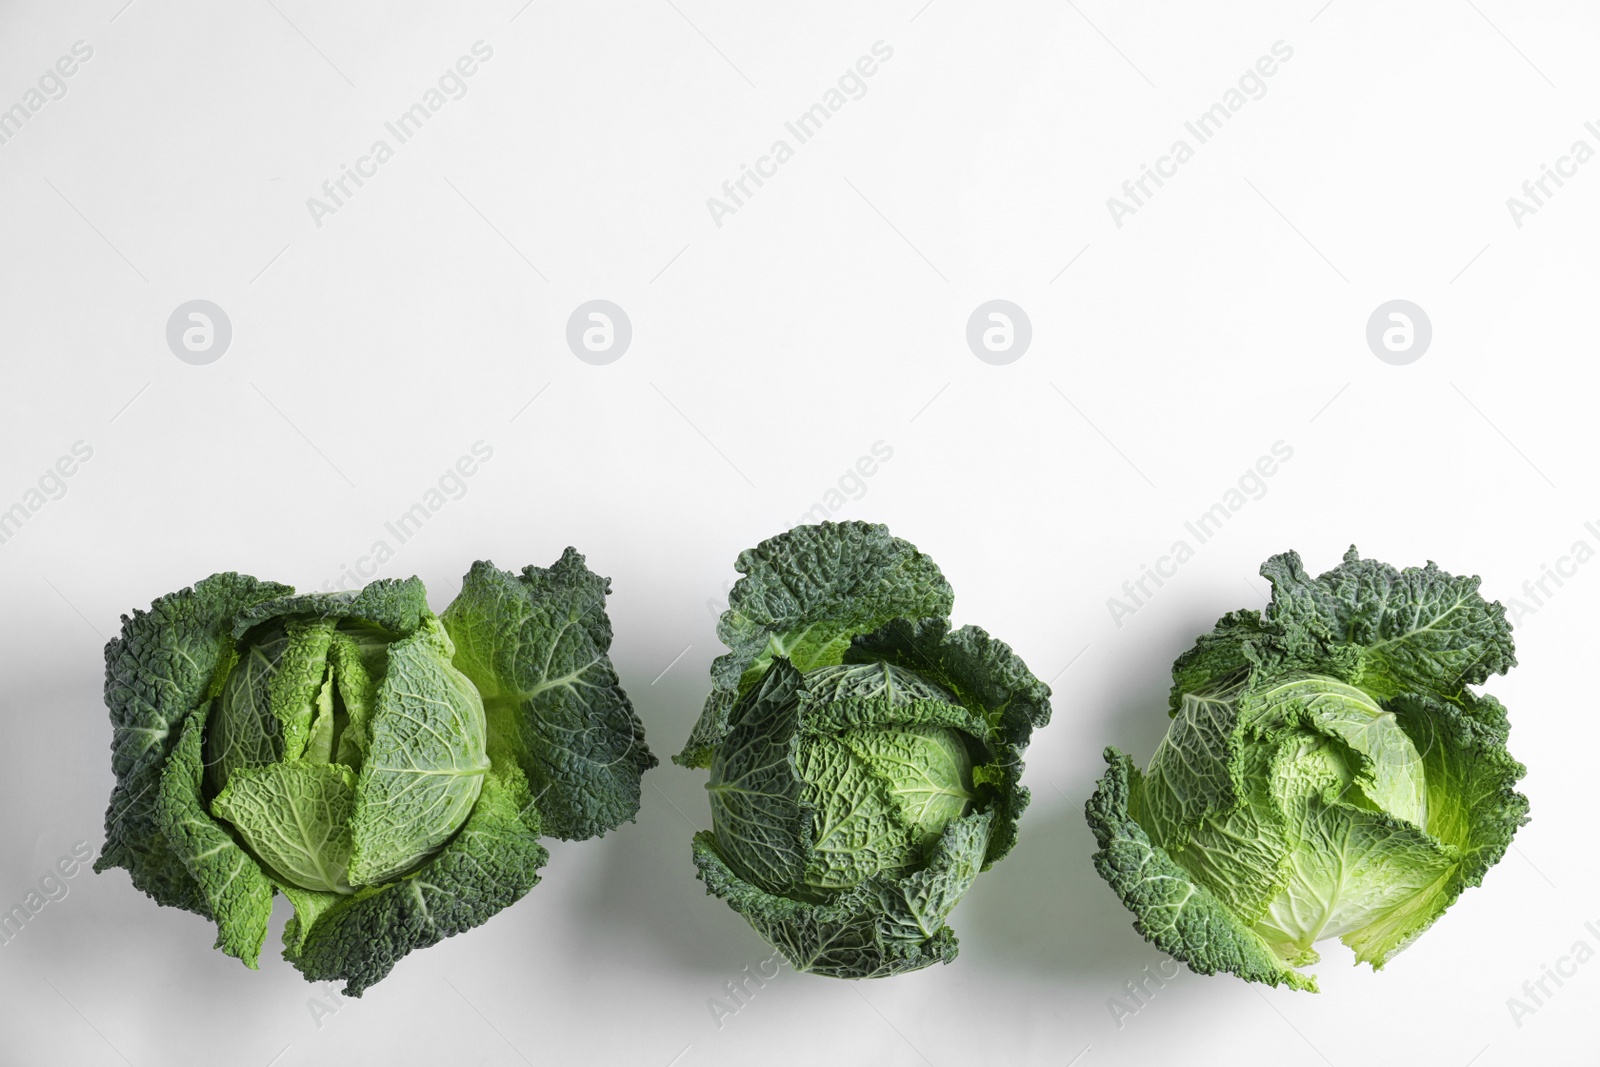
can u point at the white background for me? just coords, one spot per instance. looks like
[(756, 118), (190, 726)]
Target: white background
[(769, 354)]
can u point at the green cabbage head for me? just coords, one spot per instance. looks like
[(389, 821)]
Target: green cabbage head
[(387, 770), (1328, 773), (864, 759)]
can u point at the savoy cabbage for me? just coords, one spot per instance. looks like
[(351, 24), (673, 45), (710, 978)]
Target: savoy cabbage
[(387, 770), (865, 759), (1328, 772)]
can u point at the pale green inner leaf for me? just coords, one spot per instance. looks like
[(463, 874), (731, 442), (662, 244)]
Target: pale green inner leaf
[(882, 795), (1349, 866), (426, 759), (296, 817), (1393, 778)]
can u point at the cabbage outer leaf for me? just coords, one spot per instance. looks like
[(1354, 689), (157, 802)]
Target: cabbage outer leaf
[(536, 645), (804, 595)]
